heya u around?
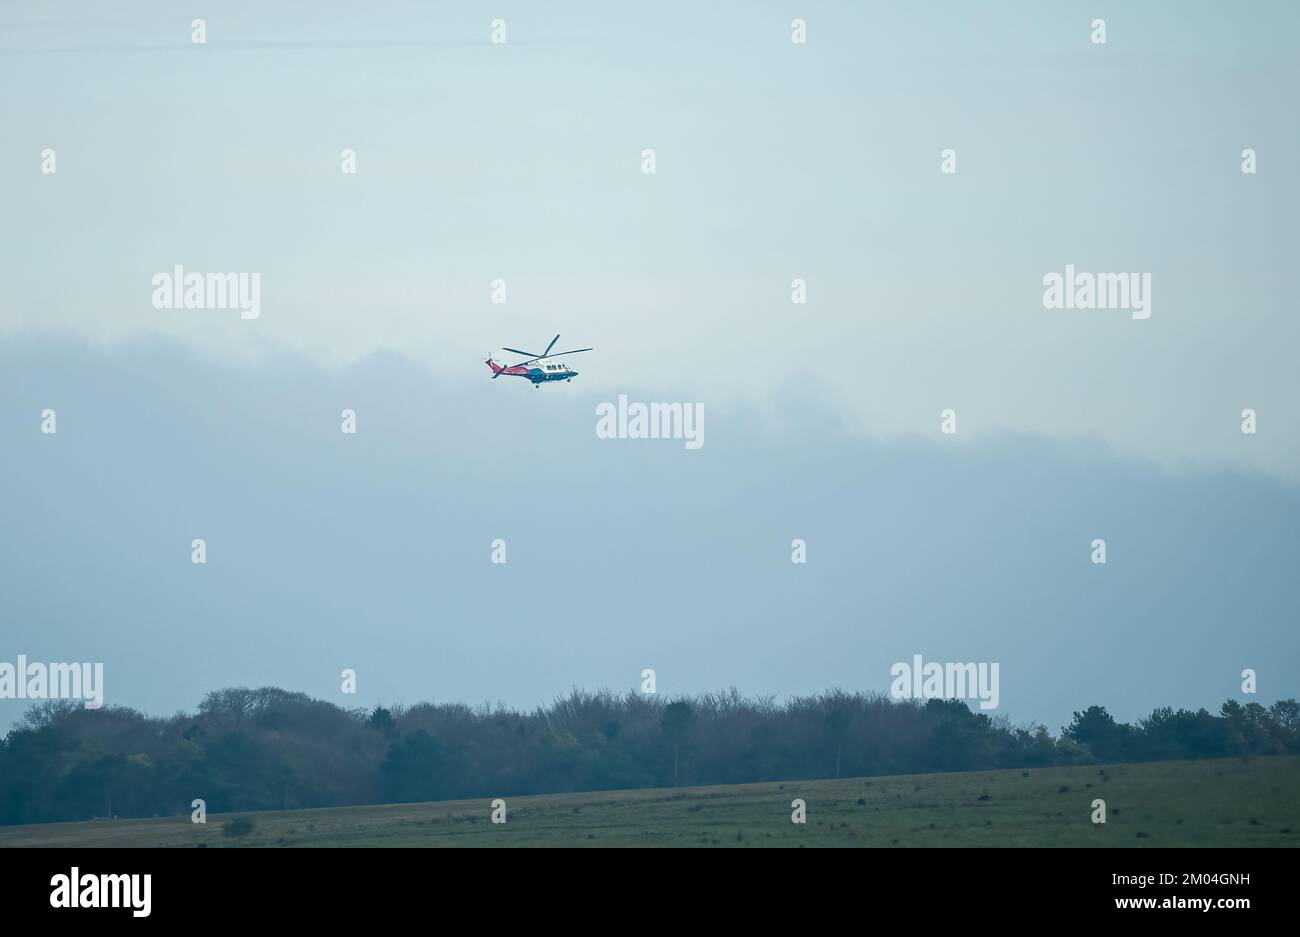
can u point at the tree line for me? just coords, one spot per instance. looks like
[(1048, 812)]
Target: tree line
[(271, 749)]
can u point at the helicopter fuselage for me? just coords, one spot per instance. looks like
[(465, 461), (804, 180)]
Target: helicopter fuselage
[(539, 372)]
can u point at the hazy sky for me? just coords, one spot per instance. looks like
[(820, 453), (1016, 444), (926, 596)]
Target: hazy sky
[(372, 551), (775, 161)]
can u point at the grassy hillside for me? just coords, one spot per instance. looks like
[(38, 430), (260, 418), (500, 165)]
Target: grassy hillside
[(1234, 802)]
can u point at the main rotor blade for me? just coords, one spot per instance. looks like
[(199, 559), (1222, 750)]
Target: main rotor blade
[(532, 356), (559, 354), (549, 347)]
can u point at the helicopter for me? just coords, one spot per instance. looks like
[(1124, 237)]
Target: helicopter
[(538, 368)]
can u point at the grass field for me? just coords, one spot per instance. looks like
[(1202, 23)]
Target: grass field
[(1195, 803)]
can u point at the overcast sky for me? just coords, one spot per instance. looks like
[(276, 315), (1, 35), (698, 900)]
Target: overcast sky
[(775, 161)]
